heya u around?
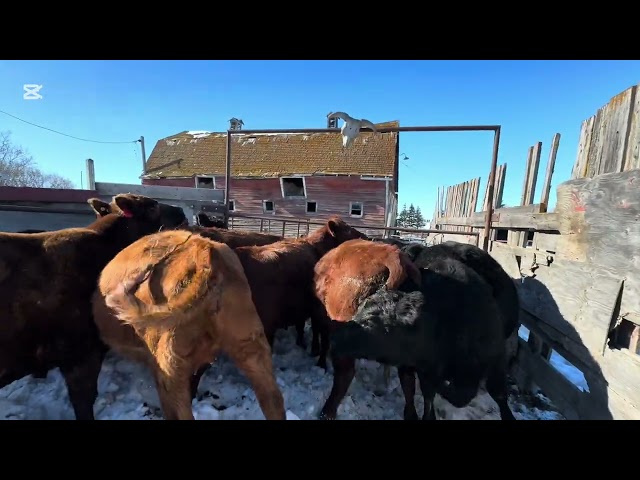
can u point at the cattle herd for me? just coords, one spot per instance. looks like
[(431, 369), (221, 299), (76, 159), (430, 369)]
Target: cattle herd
[(144, 283)]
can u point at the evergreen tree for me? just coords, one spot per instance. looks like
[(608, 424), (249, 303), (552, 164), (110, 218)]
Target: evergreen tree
[(419, 219), (401, 221), (411, 216)]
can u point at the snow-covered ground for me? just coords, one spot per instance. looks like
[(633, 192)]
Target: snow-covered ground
[(126, 391)]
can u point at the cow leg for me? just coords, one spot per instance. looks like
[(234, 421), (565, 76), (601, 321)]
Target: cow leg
[(428, 394), (344, 369), (407, 377), (498, 389), (195, 379), (300, 335), (324, 346), (175, 393), (81, 378), (253, 358), (315, 335)]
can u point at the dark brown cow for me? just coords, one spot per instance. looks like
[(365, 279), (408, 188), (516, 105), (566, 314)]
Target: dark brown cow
[(46, 283), (235, 238), (175, 300)]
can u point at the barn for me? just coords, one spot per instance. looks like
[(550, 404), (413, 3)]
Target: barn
[(290, 175)]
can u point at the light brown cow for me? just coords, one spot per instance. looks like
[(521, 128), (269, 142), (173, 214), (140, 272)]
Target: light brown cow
[(173, 301)]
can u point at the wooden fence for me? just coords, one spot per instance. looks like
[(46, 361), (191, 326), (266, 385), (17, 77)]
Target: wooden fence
[(577, 268)]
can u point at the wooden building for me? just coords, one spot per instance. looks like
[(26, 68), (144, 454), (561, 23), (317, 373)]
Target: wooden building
[(308, 176)]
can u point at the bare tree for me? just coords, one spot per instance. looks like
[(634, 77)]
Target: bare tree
[(18, 169)]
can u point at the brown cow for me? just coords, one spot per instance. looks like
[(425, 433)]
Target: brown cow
[(281, 278), (174, 301), (343, 279), (235, 238), (46, 283), (281, 274)]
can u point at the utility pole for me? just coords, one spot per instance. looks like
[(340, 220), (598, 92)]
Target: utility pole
[(144, 155)]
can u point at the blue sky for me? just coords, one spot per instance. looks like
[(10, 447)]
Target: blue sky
[(121, 100)]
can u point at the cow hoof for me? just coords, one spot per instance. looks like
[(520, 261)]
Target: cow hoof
[(410, 414), (322, 363), (326, 416)]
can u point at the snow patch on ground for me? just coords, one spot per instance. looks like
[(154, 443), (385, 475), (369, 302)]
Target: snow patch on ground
[(126, 391)]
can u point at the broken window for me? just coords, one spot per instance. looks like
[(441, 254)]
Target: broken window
[(312, 207), (268, 206), (355, 209), (292, 187), (205, 182)]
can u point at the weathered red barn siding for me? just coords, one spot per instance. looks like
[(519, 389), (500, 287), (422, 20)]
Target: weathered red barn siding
[(333, 195)]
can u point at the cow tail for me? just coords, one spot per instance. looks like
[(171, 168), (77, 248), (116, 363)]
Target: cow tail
[(188, 297)]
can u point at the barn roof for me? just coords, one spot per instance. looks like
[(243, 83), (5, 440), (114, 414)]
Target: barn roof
[(187, 154)]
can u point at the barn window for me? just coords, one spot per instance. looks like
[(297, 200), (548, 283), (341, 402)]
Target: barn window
[(232, 205), (355, 209), (268, 206), (205, 182), (312, 207), (293, 187)]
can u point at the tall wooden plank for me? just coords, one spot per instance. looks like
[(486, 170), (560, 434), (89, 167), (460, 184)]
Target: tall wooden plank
[(467, 197), (584, 143), (500, 185), (485, 205), (632, 154), (532, 177), (551, 164), (474, 194), (615, 129), (525, 180), (595, 148)]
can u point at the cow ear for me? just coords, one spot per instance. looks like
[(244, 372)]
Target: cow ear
[(134, 205), (100, 207)]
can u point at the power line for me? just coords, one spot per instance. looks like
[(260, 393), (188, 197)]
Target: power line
[(66, 135)]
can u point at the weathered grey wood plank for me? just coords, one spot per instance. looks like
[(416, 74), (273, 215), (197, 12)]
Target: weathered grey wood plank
[(612, 144), (561, 391), (524, 221), (576, 298), (584, 143), (532, 177), (595, 148), (551, 164), (506, 259), (632, 153), (603, 216), (525, 180), (547, 242), (622, 372)]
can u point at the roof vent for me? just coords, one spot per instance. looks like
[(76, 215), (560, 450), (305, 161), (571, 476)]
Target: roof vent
[(332, 122), (235, 124)]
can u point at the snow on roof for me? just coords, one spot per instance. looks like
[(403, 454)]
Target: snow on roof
[(199, 133)]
